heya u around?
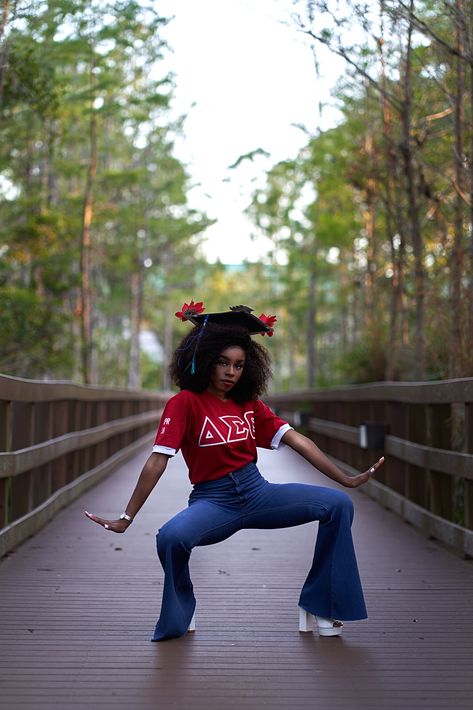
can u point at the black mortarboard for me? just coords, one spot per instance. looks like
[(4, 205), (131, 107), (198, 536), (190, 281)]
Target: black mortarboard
[(240, 316)]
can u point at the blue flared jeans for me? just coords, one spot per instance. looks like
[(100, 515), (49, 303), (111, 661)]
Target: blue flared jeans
[(244, 499)]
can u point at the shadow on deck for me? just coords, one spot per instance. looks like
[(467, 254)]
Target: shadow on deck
[(78, 606)]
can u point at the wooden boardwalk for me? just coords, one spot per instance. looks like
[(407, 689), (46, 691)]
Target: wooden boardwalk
[(78, 606)]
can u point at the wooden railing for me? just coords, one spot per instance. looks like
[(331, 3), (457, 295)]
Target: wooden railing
[(57, 439), (428, 473)]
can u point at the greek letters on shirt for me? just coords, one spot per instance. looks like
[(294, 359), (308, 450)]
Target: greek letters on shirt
[(227, 429)]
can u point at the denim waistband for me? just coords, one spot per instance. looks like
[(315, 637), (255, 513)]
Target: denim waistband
[(247, 472)]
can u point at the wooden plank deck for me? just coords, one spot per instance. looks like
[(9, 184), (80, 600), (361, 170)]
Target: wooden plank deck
[(78, 606)]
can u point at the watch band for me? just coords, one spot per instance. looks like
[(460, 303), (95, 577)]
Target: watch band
[(125, 516)]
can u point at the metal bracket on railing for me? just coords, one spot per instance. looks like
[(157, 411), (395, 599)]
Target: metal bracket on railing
[(301, 419), (372, 435)]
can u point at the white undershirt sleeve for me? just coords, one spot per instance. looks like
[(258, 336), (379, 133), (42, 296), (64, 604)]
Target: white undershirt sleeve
[(276, 440), (164, 450)]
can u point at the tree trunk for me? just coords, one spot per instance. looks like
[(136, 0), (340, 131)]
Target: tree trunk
[(395, 228), (136, 307), (358, 301), (168, 321), (395, 302), (470, 240), (345, 314), (413, 209), (86, 300), (456, 264), (51, 185), (391, 170), (371, 251), (4, 21), (396, 280), (311, 325), (76, 336), (292, 385), (4, 47)]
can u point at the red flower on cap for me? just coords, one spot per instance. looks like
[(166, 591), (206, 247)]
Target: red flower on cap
[(190, 309), (269, 321)]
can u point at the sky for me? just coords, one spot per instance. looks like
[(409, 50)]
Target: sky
[(244, 77)]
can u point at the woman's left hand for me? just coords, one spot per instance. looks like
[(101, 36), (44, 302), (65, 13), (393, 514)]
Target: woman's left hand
[(360, 478)]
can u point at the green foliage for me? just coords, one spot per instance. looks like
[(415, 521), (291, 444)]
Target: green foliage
[(73, 65), (363, 362), (34, 334)]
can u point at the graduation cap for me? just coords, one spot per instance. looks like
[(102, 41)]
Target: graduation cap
[(239, 316)]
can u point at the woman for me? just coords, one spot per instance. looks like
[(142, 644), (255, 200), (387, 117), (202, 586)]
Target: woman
[(218, 420)]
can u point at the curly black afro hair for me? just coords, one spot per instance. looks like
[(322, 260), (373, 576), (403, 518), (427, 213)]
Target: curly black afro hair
[(204, 345)]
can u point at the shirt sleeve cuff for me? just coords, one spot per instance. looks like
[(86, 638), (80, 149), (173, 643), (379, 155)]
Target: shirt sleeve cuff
[(164, 450), (279, 435)]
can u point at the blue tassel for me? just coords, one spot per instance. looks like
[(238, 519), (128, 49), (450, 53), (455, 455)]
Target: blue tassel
[(191, 365)]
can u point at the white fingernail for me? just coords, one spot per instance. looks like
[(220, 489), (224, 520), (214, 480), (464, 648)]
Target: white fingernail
[(106, 526)]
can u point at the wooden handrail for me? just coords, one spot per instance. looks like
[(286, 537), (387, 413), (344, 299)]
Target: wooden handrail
[(452, 463), (441, 391), (16, 389), (57, 439), (428, 445), (342, 432), (16, 462)]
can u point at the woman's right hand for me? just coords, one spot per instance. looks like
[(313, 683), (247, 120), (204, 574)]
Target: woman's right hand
[(117, 526)]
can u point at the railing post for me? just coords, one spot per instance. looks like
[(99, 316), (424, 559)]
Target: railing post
[(360, 453), (5, 445), (365, 460), (403, 467), (395, 472), (40, 431), (416, 432), (352, 420), (76, 425), (87, 454), (59, 421), (22, 485), (439, 486), (469, 450), (102, 418), (126, 411)]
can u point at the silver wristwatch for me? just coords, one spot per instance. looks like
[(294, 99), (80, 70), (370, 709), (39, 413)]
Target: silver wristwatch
[(125, 516)]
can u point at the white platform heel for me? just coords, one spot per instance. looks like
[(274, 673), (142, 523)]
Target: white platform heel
[(191, 628), (326, 627), (306, 621)]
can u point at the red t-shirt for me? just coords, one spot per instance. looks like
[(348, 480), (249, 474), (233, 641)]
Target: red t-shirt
[(216, 436)]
